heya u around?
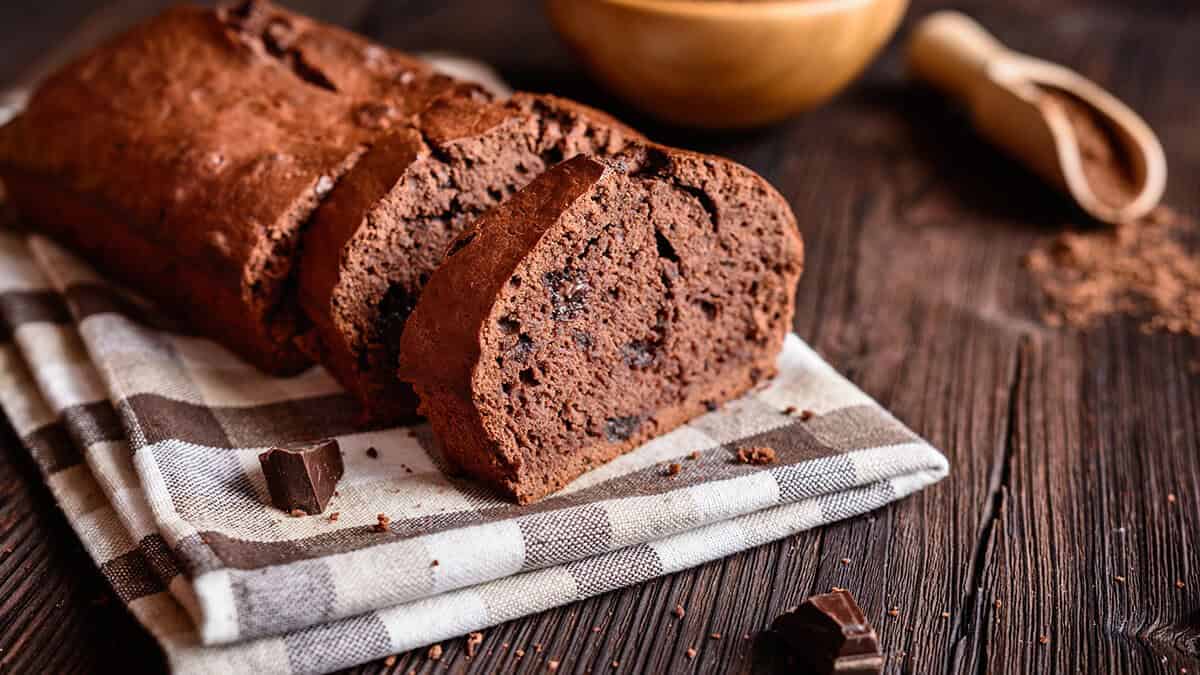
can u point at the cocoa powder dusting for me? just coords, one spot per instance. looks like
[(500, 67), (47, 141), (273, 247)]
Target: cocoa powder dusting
[(1148, 269), (1106, 165)]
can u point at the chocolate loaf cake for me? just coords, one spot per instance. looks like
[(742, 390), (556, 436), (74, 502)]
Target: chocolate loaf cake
[(384, 228), (185, 156), (608, 302)]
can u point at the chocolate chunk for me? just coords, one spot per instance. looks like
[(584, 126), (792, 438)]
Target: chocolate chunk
[(303, 475), (829, 634)]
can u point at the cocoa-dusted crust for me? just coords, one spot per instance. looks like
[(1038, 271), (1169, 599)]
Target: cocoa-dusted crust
[(604, 304), (384, 228), (184, 156)]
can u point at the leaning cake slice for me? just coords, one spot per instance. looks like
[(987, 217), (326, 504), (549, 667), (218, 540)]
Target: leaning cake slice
[(607, 302)]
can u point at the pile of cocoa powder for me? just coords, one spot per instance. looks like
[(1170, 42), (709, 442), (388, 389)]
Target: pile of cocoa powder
[(1148, 269)]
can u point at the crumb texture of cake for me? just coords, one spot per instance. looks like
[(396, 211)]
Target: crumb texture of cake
[(210, 138), (606, 303), (385, 227)]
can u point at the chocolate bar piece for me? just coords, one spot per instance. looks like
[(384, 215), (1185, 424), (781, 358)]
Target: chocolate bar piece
[(829, 634), (302, 476)]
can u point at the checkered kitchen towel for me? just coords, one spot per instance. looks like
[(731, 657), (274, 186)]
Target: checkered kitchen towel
[(149, 437)]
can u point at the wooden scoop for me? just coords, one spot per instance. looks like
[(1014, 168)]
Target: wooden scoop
[(1057, 122)]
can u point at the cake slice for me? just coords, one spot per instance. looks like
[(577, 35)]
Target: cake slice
[(383, 229), (606, 303), (185, 156)]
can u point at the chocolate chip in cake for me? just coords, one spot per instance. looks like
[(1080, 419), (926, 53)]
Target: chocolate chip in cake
[(621, 428), (568, 291)]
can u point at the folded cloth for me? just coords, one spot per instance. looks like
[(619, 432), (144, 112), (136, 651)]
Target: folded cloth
[(149, 439)]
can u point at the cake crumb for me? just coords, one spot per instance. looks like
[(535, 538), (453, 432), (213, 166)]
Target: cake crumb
[(756, 455), (945, 615), (1043, 639), (997, 604), (552, 665), (806, 415), (390, 661), (435, 563), (384, 521), (1179, 583), (895, 611), (845, 561), (473, 642), (691, 652), (1171, 497), (595, 629), (335, 515), (1119, 579), (372, 452), (615, 664), (299, 513), (790, 410), (714, 636), (435, 652), (678, 611), (836, 589), (695, 455), (673, 469), (520, 653), (537, 648)]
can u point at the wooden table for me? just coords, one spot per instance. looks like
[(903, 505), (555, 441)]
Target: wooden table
[(1065, 446)]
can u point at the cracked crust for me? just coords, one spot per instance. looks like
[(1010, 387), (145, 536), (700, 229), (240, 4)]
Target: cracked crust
[(606, 303), (254, 109), (385, 227)]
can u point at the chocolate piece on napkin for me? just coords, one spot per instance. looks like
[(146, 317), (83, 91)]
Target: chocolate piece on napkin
[(829, 634), (304, 475)]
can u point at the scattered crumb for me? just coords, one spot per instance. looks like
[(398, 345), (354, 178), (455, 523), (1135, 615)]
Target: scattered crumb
[(407, 469), (1171, 497), (745, 636), (384, 521), (1043, 640), (997, 604), (691, 652), (895, 611), (473, 642), (845, 561), (520, 653), (335, 515), (945, 615), (595, 629), (1119, 579), (673, 469), (695, 455), (537, 648), (299, 513), (758, 455), (678, 611), (435, 652), (1179, 583), (503, 645), (552, 666), (806, 415), (435, 563), (790, 410), (616, 664), (390, 661), (372, 452), (714, 636), (836, 589)]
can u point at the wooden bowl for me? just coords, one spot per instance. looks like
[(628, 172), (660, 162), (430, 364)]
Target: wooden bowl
[(724, 64)]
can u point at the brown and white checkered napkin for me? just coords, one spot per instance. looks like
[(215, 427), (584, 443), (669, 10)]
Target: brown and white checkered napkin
[(148, 437)]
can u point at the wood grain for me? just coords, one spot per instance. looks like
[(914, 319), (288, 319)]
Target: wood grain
[(1065, 446)]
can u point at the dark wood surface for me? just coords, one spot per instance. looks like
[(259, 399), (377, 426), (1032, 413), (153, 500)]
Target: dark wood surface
[(1065, 445)]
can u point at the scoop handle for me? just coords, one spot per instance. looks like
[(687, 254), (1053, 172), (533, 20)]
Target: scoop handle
[(952, 52)]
